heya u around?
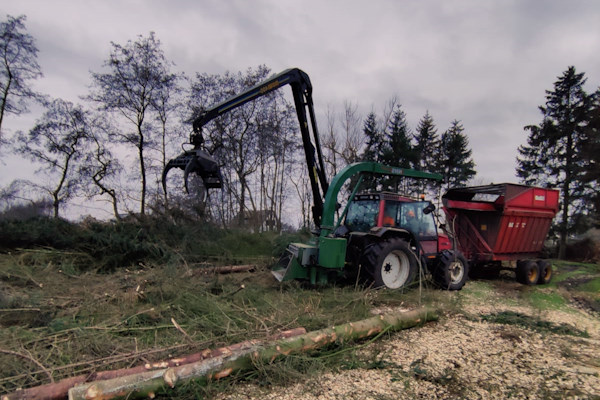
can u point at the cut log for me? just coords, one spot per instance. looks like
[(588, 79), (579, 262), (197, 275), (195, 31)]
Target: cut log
[(146, 384), (59, 390)]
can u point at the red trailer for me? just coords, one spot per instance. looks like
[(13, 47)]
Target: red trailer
[(504, 222)]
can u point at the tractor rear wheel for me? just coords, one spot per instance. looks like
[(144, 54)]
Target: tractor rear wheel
[(527, 272), (452, 271), (545, 270), (391, 263)]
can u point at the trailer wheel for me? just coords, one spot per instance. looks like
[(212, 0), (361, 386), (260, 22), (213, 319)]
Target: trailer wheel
[(452, 271), (527, 272), (545, 270), (391, 263)]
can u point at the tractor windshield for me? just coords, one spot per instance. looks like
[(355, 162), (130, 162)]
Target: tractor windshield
[(362, 215)]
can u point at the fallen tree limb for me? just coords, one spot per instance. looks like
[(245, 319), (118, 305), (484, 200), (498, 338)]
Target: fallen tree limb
[(226, 269), (59, 390), (29, 357), (146, 384)]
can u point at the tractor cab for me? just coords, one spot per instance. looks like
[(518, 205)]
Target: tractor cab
[(374, 212)]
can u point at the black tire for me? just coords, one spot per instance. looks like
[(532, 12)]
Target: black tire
[(391, 264), (545, 270), (452, 271), (527, 272)]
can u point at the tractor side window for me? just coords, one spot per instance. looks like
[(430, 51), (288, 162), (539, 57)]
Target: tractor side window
[(390, 215), (415, 220), (427, 223), (361, 215)]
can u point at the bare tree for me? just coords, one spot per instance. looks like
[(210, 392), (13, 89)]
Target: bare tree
[(17, 204), (167, 103), (18, 54), (56, 141), (138, 77), (353, 139), (331, 141), (343, 139), (251, 142), (277, 139), (301, 185), (99, 166)]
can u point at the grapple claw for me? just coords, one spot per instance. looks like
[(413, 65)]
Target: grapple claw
[(191, 166), (199, 162)]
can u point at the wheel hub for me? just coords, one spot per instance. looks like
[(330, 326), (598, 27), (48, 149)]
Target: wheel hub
[(456, 271), (395, 270)]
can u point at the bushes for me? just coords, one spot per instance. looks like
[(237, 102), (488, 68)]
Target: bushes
[(125, 243)]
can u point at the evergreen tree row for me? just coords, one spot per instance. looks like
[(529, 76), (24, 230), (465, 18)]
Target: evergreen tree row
[(395, 144)]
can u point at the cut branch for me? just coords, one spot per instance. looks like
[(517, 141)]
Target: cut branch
[(147, 384), (30, 358), (227, 269)]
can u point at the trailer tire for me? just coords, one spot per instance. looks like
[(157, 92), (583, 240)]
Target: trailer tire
[(545, 270), (452, 271), (391, 263), (528, 272)]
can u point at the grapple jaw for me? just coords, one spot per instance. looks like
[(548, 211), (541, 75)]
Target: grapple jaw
[(199, 162)]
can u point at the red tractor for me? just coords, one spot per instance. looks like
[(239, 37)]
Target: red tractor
[(390, 234)]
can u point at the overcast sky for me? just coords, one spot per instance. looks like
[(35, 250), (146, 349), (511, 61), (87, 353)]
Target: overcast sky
[(486, 63)]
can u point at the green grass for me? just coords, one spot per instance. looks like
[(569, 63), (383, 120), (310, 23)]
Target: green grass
[(479, 290), (543, 300), (87, 317), (592, 286)]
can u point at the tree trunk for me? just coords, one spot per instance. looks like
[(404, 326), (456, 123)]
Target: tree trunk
[(143, 173), (4, 98), (564, 225), (148, 383), (59, 390), (55, 204), (163, 121)]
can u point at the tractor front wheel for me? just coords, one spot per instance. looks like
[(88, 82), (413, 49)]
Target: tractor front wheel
[(391, 263), (452, 271)]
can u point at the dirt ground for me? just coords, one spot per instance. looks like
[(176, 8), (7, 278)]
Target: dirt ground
[(546, 353)]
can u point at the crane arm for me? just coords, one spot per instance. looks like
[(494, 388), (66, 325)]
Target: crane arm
[(302, 93)]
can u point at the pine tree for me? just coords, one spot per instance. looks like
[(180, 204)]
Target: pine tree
[(552, 156), (398, 150), (375, 140), (455, 162), (591, 161), (427, 141)]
